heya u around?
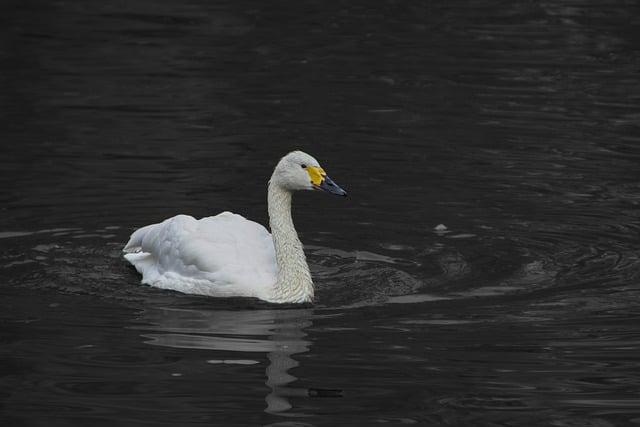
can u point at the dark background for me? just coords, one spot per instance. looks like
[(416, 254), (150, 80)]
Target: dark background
[(513, 123)]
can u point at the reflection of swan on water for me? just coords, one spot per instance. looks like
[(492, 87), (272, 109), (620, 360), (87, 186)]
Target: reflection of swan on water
[(288, 339), (239, 331)]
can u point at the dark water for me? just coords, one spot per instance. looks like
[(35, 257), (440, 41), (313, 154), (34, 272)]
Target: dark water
[(514, 124)]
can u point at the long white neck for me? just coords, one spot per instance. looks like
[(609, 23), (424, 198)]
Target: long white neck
[(294, 282)]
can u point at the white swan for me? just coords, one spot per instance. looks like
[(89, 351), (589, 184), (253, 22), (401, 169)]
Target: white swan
[(227, 255)]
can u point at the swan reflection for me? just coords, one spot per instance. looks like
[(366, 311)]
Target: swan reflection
[(279, 333)]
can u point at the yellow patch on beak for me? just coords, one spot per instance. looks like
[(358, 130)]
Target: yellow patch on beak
[(316, 174)]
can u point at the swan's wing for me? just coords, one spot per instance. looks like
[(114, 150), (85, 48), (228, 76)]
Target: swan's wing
[(226, 253)]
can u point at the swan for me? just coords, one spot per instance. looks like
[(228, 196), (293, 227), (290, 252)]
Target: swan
[(227, 255)]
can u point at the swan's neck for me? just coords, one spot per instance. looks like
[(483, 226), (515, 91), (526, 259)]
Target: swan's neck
[(294, 279)]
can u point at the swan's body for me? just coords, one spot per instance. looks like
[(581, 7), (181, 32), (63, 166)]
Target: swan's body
[(227, 255), (222, 255)]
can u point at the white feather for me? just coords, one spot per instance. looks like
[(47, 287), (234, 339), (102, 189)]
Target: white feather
[(223, 255)]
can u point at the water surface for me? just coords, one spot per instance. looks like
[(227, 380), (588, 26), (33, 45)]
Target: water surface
[(483, 270)]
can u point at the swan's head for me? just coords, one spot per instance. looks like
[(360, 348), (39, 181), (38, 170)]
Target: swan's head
[(300, 171)]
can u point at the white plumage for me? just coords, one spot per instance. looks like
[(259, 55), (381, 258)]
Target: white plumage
[(227, 255), (223, 255)]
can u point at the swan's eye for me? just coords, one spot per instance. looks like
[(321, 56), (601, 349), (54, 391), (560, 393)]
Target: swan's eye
[(303, 166)]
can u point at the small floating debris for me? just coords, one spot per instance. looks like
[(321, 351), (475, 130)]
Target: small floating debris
[(441, 229)]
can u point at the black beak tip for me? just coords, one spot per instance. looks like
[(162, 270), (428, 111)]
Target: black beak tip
[(331, 187)]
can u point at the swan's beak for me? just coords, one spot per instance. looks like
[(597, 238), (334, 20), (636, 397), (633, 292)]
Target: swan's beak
[(331, 187), (321, 181)]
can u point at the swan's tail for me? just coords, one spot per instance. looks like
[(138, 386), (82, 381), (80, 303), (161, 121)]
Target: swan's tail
[(135, 241), (141, 260)]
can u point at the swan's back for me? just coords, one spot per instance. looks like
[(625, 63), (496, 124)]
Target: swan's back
[(222, 255)]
